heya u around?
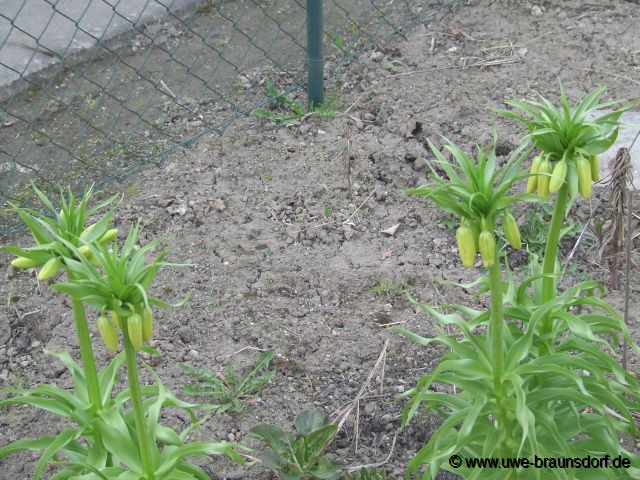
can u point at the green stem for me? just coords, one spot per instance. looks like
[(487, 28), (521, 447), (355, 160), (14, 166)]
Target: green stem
[(138, 409), (549, 280), (496, 343), (86, 354), (496, 327)]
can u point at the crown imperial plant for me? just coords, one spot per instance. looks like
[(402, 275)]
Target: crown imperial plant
[(534, 373)]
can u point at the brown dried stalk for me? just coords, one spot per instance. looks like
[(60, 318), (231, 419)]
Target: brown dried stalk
[(621, 178)]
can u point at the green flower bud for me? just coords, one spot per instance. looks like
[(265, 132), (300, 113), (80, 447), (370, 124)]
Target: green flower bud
[(558, 176), (85, 250), (487, 244), (23, 262), (108, 333), (134, 328), (532, 181), (85, 233), (584, 177), (466, 245), (109, 235), (147, 323), (49, 269), (544, 178), (511, 231)]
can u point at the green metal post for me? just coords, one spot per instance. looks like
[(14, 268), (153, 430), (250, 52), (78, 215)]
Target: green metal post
[(315, 60)]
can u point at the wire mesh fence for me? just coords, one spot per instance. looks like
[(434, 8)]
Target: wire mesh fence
[(91, 90)]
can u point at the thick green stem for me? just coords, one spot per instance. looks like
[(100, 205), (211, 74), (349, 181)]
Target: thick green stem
[(496, 327), (86, 354), (496, 344), (138, 409), (549, 280)]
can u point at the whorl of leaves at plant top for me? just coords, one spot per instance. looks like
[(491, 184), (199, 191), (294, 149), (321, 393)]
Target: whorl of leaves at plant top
[(565, 131), (474, 188), (121, 277), (67, 227)]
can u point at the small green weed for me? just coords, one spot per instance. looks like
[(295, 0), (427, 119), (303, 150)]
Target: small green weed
[(449, 222), (365, 474), (231, 390), (338, 42), (534, 230), (132, 190), (580, 276), (287, 109), (322, 156), (300, 456), (390, 289)]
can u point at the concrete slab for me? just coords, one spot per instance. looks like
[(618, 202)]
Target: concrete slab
[(36, 34)]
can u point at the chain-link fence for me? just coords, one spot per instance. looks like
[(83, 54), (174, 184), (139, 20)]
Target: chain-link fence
[(91, 90)]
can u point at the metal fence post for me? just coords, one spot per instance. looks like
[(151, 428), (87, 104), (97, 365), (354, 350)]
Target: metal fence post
[(315, 60)]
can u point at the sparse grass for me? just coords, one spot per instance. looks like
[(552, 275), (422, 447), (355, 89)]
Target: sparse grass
[(285, 108), (390, 288), (210, 306), (131, 190)]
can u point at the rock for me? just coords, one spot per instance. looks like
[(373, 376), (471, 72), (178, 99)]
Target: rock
[(420, 164), (22, 341), (377, 57), (304, 128), (54, 369), (186, 335), (180, 209), (536, 11), (166, 201)]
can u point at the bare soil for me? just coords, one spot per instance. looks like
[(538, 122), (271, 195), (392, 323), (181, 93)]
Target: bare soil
[(285, 250)]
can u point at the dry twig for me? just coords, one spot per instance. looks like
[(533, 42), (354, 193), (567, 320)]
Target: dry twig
[(343, 415)]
